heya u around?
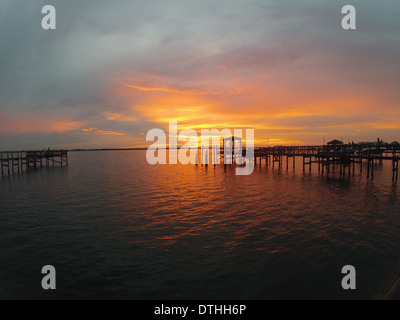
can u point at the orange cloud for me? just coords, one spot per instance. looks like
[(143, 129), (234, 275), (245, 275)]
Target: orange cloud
[(172, 90), (105, 132), (285, 104), (113, 116), (23, 123)]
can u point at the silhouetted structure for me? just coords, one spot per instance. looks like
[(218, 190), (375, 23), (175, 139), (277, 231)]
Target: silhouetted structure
[(17, 162), (327, 159), (335, 143), (232, 147)]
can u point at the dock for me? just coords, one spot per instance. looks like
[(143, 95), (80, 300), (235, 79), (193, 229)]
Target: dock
[(16, 162), (328, 160), (346, 159)]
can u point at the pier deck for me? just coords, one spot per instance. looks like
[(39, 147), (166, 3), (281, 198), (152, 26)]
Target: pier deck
[(16, 162), (327, 159)]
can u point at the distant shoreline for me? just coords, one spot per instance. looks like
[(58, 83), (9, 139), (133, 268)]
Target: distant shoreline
[(108, 149)]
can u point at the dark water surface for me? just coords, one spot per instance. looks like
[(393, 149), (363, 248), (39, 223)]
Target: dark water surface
[(116, 227)]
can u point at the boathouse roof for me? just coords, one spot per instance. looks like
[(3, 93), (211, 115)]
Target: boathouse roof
[(335, 142)]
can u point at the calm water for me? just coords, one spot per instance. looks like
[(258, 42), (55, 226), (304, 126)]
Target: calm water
[(116, 227)]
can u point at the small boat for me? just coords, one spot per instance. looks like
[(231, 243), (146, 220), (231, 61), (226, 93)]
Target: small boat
[(374, 150)]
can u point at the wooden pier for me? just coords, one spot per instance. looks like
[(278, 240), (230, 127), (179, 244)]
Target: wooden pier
[(23, 161), (329, 160)]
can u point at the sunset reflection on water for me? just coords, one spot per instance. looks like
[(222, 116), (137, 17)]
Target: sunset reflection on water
[(112, 222)]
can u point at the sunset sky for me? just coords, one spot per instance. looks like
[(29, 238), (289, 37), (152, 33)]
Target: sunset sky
[(115, 69)]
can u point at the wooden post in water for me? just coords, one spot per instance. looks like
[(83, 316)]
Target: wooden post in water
[(341, 166), (319, 164), (8, 163), (19, 161), (350, 166), (395, 168), (372, 168), (214, 156), (328, 163), (11, 160)]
